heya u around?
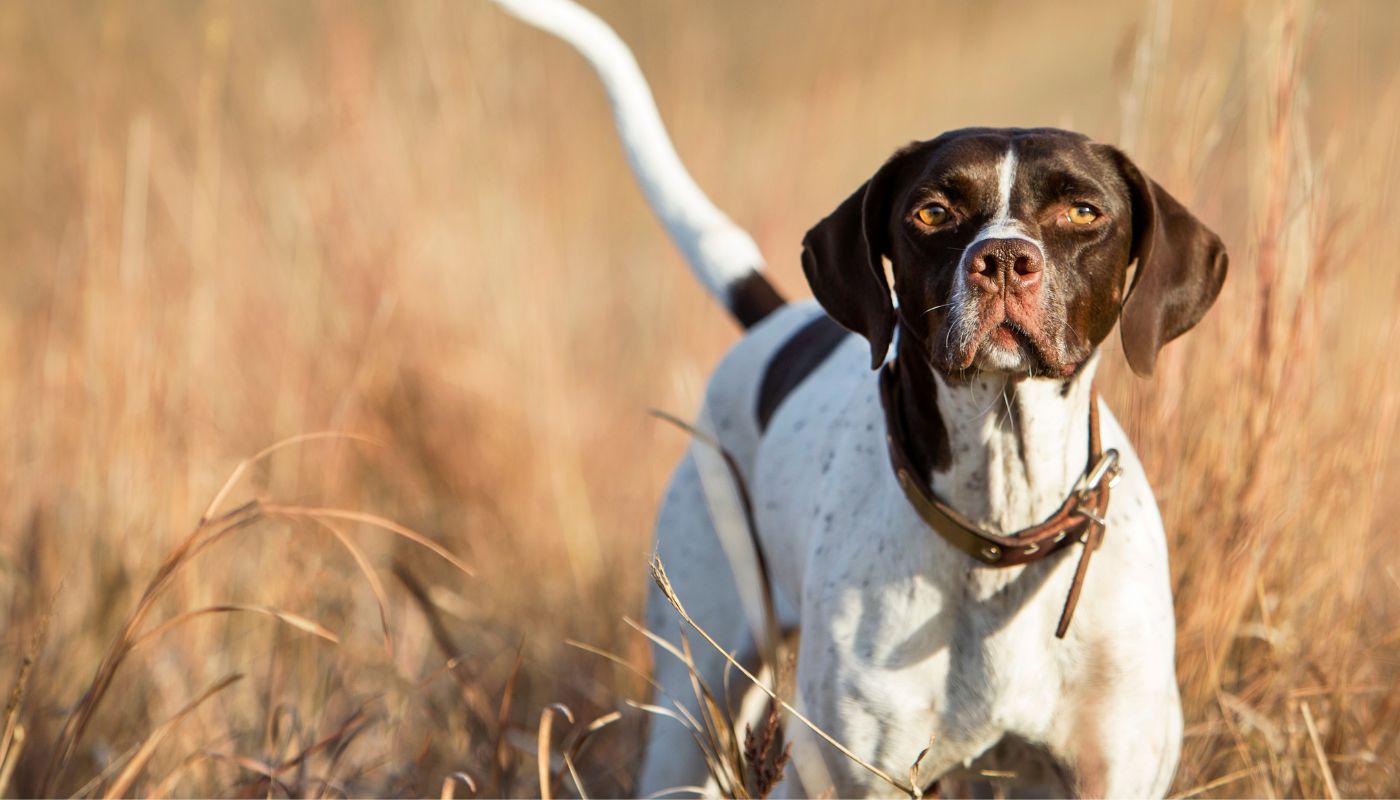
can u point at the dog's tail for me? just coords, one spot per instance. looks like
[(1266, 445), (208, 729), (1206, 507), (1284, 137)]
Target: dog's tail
[(721, 254)]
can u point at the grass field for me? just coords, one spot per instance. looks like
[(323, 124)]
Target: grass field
[(225, 224)]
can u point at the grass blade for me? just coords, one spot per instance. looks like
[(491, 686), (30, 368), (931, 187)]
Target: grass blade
[(12, 735), (122, 785), (381, 598), (542, 755), (295, 620), (267, 451), (1322, 764), (321, 514)]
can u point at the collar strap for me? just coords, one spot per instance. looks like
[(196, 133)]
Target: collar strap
[(1081, 518)]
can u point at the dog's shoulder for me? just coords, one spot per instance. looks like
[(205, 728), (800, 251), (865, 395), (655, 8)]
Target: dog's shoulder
[(791, 364), (761, 370)]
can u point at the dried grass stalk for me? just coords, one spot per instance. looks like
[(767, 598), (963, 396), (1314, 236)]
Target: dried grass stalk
[(122, 785)]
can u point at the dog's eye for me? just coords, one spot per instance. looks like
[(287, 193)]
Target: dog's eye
[(932, 214), (1082, 214)]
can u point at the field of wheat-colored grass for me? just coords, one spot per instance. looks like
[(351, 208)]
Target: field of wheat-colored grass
[(228, 224)]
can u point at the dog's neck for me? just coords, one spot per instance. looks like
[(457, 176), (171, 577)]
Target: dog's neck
[(1005, 452)]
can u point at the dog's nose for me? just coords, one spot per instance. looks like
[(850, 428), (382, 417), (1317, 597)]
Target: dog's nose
[(1014, 263)]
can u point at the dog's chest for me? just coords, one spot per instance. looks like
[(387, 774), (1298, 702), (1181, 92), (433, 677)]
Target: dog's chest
[(917, 617), (904, 636)]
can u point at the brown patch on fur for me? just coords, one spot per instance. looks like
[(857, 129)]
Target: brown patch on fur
[(790, 365), (751, 298)]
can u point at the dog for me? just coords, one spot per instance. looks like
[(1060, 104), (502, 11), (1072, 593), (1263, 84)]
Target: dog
[(927, 463)]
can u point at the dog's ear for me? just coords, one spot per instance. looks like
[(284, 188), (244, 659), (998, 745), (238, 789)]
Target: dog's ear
[(1181, 266), (842, 259)]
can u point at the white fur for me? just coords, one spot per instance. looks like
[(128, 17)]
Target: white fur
[(718, 251), (1006, 179), (904, 638)]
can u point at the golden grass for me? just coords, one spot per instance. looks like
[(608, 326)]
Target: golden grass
[(232, 223)]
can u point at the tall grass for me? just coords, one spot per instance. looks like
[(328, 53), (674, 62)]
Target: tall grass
[(228, 224)]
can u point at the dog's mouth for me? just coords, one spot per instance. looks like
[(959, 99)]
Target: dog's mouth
[(1007, 337), (1003, 345), (1008, 347)]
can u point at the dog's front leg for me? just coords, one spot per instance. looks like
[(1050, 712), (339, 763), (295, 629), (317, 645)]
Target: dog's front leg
[(873, 671), (832, 694), (1121, 740)]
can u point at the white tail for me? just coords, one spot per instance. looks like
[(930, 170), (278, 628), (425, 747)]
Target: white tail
[(721, 254)]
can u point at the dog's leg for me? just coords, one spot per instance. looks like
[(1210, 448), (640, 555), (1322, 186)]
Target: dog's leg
[(1129, 745), (690, 549), (1123, 738)]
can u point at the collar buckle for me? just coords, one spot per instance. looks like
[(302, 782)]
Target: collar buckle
[(1106, 467)]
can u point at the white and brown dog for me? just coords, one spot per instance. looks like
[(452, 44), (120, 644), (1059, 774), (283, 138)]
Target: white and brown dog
[(925, 525)]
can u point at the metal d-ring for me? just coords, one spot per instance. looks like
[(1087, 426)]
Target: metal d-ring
[(1107, 466)]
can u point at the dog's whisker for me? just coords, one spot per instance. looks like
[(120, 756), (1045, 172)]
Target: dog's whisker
[(1010, 415), (990, 406)]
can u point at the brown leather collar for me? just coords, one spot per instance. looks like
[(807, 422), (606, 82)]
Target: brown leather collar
[(1081, 518)]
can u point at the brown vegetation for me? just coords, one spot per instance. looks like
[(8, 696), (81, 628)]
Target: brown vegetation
[(230, 223)]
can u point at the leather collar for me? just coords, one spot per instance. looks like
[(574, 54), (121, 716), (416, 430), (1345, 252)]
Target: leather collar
[(1081, 518)]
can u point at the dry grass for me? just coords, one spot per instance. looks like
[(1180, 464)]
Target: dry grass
[(231, 223)]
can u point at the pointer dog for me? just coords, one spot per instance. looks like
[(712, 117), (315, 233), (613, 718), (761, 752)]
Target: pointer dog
[(927, 526)]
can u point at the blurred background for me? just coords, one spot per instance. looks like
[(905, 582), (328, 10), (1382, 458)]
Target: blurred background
[(224, 224)]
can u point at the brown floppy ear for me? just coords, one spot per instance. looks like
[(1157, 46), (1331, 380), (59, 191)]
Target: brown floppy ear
[(841, 257), (1181, 266)]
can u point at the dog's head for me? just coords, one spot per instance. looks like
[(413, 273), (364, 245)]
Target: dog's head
[(1010, 251)]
